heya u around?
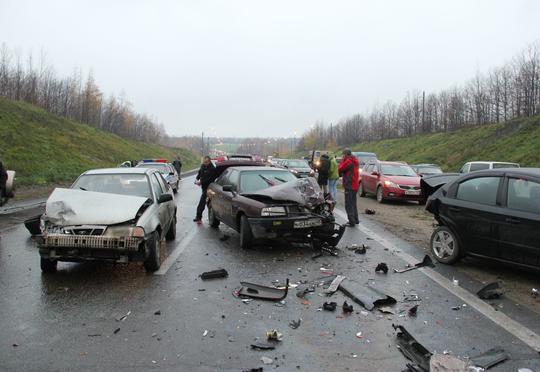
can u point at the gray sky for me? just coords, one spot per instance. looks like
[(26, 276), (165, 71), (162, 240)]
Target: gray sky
[(268, 68)]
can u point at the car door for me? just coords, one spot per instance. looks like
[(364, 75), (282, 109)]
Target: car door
[(519, 232), (474, 211), (367, 178), (228, 197), (163, 208), (216, 194)]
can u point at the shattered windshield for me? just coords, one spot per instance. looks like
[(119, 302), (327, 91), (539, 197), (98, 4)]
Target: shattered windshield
[(124, 184), (161, 167), (398, 170), (251, 181)]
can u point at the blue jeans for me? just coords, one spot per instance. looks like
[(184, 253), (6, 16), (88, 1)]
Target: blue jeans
[(332, 188)]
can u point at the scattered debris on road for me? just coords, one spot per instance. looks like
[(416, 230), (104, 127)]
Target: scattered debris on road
[(489, 358), (369, 211), (329, 306), (534, 292), (262, 292), (427, 261), (116, 330), (123, 317), (267, 360), (368, 297), (262, 346), (447, 363), (382, 267), (274, 335), (157, 312), (294, 324), (490, 291), (347, 308), (413, 310), (333, 287), (412, 350), (214, 274)]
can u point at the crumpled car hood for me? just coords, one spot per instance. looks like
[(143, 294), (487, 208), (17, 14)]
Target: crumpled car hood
[(304, 191), (67, 207)]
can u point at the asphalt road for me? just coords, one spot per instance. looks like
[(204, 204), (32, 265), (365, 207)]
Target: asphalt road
[(72, 320)]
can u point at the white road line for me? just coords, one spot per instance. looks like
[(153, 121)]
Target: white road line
[(169, 261), (526, 335)]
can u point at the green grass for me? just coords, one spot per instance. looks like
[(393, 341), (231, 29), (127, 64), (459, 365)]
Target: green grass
[(43, 148), (516, 140)]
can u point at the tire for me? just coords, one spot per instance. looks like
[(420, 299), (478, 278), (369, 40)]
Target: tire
[(380, 194), (361, 191), (246, 236), (152, 262), (212, 219), (48, 266), (171, 233), (444, 245), (175, 190)]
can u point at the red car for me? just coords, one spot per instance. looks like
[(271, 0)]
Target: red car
[(390, 181)]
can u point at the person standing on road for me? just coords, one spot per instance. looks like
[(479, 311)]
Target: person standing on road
[(177, 164), (3, 179), (333, 176), (323, 169), (348, 169), (205, 177)]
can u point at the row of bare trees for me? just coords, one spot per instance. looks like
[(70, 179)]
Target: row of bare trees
[(507, 92), (72, 97)]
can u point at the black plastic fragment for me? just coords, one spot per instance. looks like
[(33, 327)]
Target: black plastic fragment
[(347, 308), (426, 261), (368, 297), (413, 310), (220, 273), (329, 306), (33, 225), (490, 291), (263, 346), (382, 267), (489, 358), (412, 349), (369, 211)]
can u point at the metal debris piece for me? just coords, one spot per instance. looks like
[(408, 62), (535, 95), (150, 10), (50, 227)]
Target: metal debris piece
[(214, 274), (347, 308), (382, 267), (456, 307), (427, 261), (263, 346), (369, 211), (262, 292), (490, 291), (121, 318), (368, 297), (329, 306), (489, 358), (413, 310), (361, 250), (334, 285), (412, 349), (294, 324), (411, 297)]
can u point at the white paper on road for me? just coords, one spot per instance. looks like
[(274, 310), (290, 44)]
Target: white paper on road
[(67, 207)]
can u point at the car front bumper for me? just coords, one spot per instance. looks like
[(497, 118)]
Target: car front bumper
[(400, 194)]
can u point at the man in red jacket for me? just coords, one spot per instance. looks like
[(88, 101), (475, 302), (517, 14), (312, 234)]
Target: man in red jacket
[(348, 169)]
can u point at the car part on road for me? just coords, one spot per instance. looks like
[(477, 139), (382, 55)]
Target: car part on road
[(214, 274), (262, 346), (386, 310), (267, 360), (447, 363), (490, 291), (334, 285), (382, 267), (369, 297), (412, 349), (369, 211), (262, 292), (33, 225), (347, 308), (427, 261), (301, 292), (274, 335), (413, 310), (329, 306), (294, 324), (489, 358)]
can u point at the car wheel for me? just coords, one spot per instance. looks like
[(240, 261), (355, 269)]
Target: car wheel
[(212, 219), (380, 195), (171, 233), (361, 191), (445, 245), (48, 266), (246, 237), (175, 190), (152, 262)]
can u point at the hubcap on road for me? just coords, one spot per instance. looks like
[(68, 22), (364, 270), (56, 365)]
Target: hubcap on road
[(443, 244)]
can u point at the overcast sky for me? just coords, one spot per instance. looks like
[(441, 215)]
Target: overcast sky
[(268, 68)]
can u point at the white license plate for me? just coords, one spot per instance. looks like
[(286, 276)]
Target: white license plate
[(412, 192), (307, 223)]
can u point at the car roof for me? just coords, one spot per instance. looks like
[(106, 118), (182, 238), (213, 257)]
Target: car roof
[(490, 162), (424, 165), (392, 162), (133, 170), (532, 172)]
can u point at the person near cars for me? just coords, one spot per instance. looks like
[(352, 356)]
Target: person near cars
[(323, 168), (348, 169), (3, 179), (205, 177), (333, 176), (177, 164)]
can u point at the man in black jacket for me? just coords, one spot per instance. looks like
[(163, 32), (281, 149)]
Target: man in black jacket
[(204, 178), (177, 164)]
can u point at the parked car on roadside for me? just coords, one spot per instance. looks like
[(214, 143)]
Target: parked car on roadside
[(299, 167), (474, 166), (493, 213), (390, 181), (116, 215), (167, 170), (241, 157), (7, 184), (364, 158), (266, 203), (426, 169)]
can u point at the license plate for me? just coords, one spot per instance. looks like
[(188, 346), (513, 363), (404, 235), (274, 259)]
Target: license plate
[(412, 192), (307, 223)]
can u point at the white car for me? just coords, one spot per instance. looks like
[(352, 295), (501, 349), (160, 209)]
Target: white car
[(116, 215), (473, 166)]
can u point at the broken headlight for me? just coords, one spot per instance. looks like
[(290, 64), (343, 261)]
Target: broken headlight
[(273, 212)]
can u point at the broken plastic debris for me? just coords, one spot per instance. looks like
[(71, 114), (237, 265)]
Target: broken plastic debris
[(382, 267), (329, 306), (214, 274), (426, 261), (446, 363), (413, 310), (455, 282), (368, 297), (262, 346), (205, 333), (490, 291), (489, 358), (369, 211), (267, 360), (412, 349), (262, 292), (294, 324), (157, 312), (359, 335), (116, 330), (121, 318), (347, 308), (274, 335), (326, 271), (335, 284)]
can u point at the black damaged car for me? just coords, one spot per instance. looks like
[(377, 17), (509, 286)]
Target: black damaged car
[(493, 214), (266, 203)]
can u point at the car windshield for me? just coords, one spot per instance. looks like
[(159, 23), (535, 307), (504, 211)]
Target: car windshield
[(430, 170), (252, 181), (124, 184), (364, 159), (504, 165), (161, 167), (297, 164), (397, 170)]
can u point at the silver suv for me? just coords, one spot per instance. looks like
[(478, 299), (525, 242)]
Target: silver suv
[(116, 215), (473, 166)]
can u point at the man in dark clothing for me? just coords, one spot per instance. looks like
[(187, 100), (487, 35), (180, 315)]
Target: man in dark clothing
[(204, 178), (348, 169), (323, 170), (3, 181), (177, 164)]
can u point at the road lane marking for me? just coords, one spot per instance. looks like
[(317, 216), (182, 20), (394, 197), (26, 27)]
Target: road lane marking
[(169, 261), (521, 332)]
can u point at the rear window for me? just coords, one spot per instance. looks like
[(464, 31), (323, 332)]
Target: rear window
[(252, 181), (482, 190), (504, 165), (523, 195), (478, 166)]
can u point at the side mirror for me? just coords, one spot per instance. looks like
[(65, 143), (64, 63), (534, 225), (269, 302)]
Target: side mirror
[(228, 188), (165, 198), (171, 174)]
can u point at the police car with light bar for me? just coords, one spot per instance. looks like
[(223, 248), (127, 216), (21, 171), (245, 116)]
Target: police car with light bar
[(166, 169)]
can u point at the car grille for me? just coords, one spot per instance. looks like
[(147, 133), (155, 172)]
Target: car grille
[(405, 187), (95, 231), (97, 242)]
